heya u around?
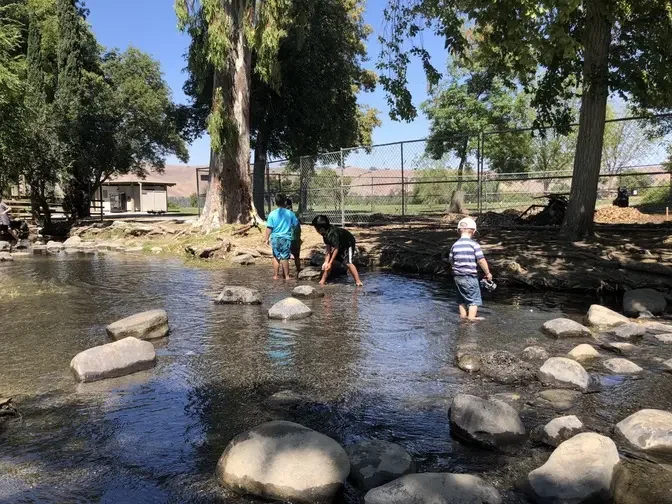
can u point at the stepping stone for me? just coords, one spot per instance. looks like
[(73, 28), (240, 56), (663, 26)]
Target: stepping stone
[(308, 292), (535, 353), (664, 338), (563, 372), (489, 423), (600, 316), (289, 309), (504, 367), (284, 461), (629, 331), (648, 430), (374, 463), (112, 360), (72, 242), (6, 256), (579, 470), (657, 328), (583, 352), (558, 399), (435, 488), (239, 295), (152, 324), (469, 362), (619, 348), (565, 328), (245, 259), (622, 366), (557, 430)]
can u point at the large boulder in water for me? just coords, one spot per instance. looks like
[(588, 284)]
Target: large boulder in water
[(435, 488), (641, 482), (152, 324), (648, 430), (112, 360), (579, 471), (374, 463), (289, 309), (239, 295), (504, 367), (565, 373), (600, 316), (565, 328), (490, 423), (284, 461), (638, 301)]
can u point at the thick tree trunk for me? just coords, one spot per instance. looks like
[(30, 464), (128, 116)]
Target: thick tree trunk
[(229, 198), (259, 175), (583, 195)]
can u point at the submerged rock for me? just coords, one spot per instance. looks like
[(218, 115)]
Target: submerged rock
[(284, 461), (563, 372), (579, 471), (310, 273), (618, 347), (657, 328), (583, 352), (152, 324), (490, 423), (307, 291), (289, 309), (374, 463), (435, 488), (629, 332), (622, 366), (638, 301), (640, 482), (648, 430), (239, 295), (469, 362), (557, 430), (535, 353), (504, 367), (112, 360), (565, 328), (601, 316), (558, 399), (6, 256), (286, 399)]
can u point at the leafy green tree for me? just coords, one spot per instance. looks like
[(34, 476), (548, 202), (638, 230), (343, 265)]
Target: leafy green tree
[(551, 49), (325, 188), (625, 143), (193, 200)]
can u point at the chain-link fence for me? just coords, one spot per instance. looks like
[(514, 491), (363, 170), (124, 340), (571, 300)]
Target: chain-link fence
[(493, 171)]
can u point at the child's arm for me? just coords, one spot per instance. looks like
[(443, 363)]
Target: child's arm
[(267, 235), (486, 269), (329, 257)]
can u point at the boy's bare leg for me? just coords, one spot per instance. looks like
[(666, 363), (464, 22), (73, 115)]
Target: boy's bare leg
[(285, 268), (355, 274), (325, 275), (473, 310), (297, 262), (463, 311), (276, 268)]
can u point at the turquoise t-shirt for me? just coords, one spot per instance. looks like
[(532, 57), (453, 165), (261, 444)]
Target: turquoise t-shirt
[(282, 222)]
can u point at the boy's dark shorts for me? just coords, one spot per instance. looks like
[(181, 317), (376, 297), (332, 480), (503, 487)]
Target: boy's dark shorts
[(468, 290), (347, 255)]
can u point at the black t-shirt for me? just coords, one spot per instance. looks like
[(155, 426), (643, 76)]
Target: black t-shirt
[(339, 238)]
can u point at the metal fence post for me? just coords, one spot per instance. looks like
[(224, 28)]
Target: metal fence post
[(342, 163), (403, 185)]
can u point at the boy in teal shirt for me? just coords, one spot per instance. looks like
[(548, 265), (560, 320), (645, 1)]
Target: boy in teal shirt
[(279, 233)]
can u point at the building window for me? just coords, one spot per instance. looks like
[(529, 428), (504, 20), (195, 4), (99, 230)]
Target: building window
[(205, 178)]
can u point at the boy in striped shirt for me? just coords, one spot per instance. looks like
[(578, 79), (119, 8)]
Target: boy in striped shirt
[(465, 254)]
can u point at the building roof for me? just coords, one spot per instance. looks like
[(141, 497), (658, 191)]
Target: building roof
[(153, 178)]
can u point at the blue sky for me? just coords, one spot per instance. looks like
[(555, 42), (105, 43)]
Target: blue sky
[(150, 25)]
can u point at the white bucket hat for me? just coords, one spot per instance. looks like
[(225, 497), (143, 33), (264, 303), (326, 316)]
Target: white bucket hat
[(466, 223)]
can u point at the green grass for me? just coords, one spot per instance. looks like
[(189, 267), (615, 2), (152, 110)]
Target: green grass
[(184, 210)]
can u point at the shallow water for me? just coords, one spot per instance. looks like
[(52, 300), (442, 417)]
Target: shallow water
[(377, 363)]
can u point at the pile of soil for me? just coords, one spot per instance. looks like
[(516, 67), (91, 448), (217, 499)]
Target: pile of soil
[(617, 215)]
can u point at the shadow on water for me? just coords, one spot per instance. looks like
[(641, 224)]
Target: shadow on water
[(372, 363)]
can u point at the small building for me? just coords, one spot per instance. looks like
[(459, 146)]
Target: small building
[(132, 194)]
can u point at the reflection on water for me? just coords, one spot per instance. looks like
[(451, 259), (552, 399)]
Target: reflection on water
[(376, 363)]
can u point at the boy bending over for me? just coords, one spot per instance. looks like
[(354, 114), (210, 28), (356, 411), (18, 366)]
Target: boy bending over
[(340, 247)]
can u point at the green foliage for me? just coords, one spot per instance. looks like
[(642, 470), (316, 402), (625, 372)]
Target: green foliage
[(325, 188), (193, 200), (632, 179), (435, 186)]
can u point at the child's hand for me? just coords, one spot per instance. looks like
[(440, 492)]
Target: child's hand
[(489, 277), (326, 267)]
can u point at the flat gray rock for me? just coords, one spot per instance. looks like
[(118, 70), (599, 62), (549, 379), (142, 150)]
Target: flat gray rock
[(557, 430), (490, 423), (245, 259), (558, 399), (618, 347), (565, 328), (664, 338), (435, 488), (638, 301), (504, 367), (583, 352), (579, 471), (289, 309), (601, 316), (629, 332), (657, 327), (564, 373), (112, 360), (284, 461), (374, 463), (535, 353), (307, 292), (648, 430), (238, 295), (6, 256), (641, 482), (39, 249), (622, 366), (310, 273), (72, 242), (152, 324)]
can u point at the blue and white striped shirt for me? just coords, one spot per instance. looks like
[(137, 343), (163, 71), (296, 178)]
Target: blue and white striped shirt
[(464, 255)]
